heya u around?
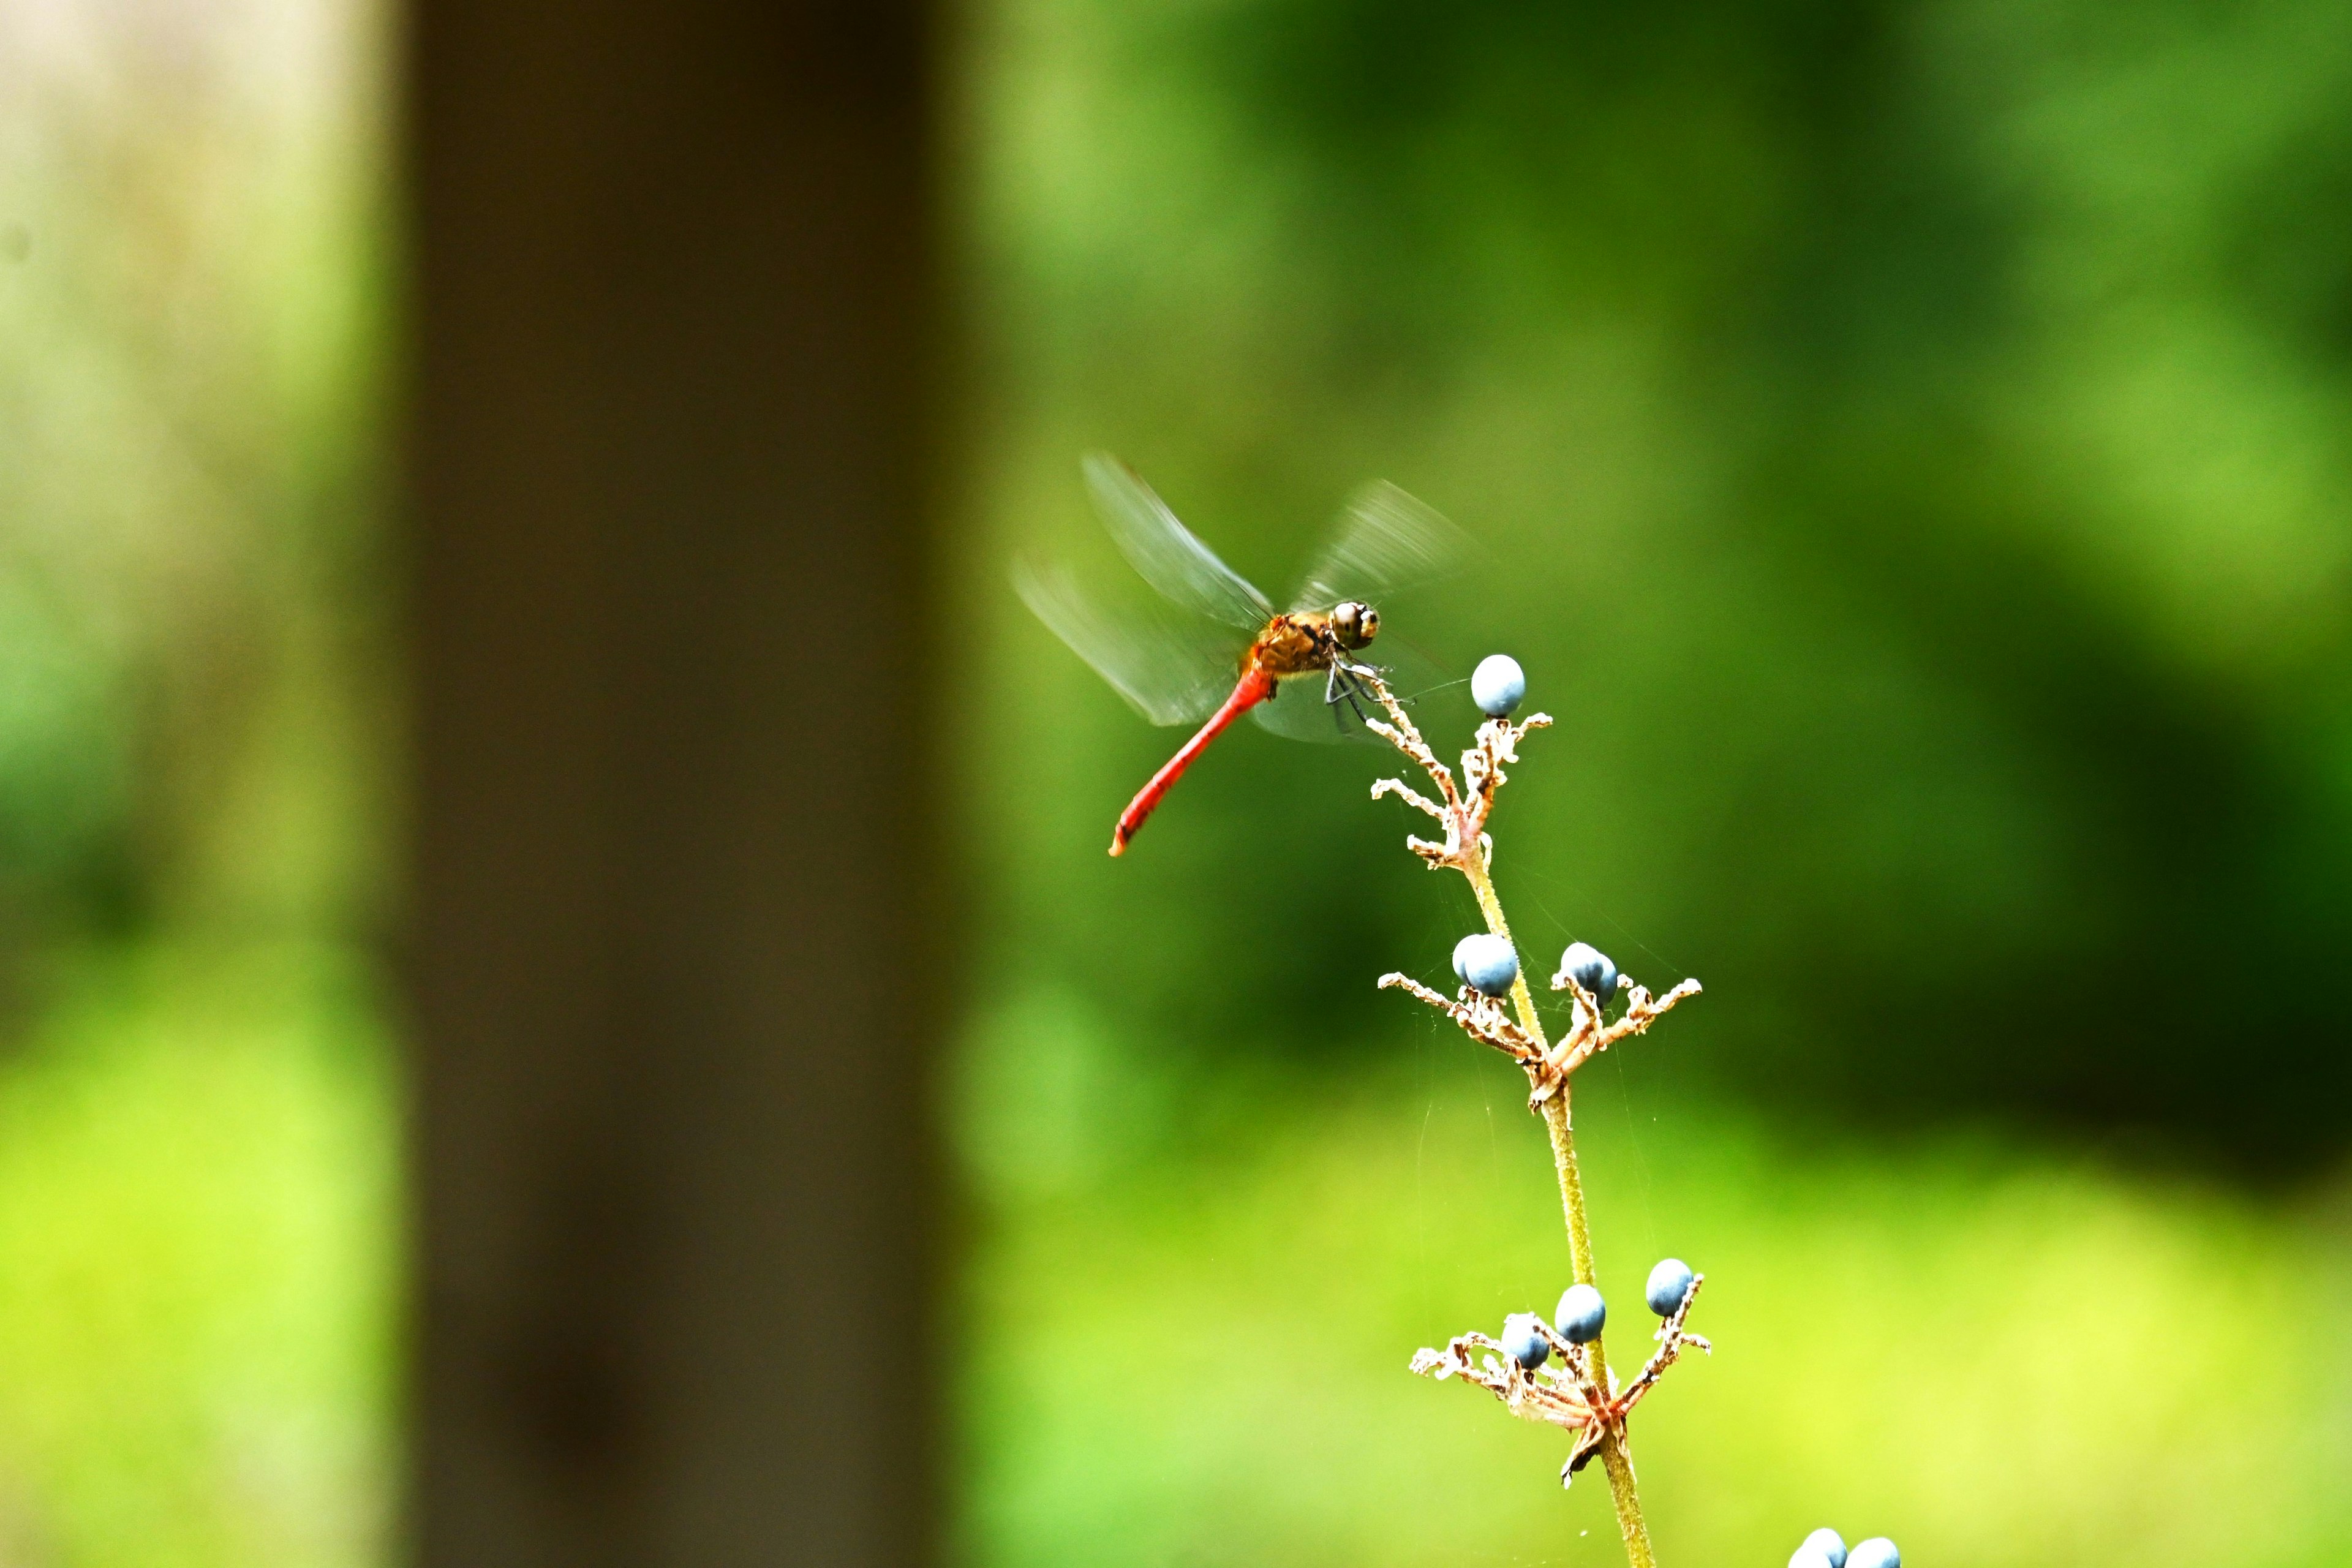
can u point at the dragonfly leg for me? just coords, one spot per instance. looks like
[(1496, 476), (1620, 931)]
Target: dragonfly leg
[(1344, 687)]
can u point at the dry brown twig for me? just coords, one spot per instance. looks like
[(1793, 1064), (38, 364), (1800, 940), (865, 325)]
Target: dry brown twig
[(1570, 1398), (1484, 1019), (1465, 811), (1583, 1396)]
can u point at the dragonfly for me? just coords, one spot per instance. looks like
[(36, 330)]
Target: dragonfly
[(1299, 672)]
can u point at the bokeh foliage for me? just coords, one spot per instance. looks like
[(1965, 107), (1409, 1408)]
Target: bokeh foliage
[(191, 314), (1913, 439), (1965, 1343), (197, 1108), (197, 1210)]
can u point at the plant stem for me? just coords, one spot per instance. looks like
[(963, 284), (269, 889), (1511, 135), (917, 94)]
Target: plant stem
[(1614, 1457)]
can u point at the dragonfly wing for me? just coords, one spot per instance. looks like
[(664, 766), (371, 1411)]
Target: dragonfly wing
[(1164, 551), (1301, 711), (1414, 678), (1384, 541), (1170, 674), (1316, 708)]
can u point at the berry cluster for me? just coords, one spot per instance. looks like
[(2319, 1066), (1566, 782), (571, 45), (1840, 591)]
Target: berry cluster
[(1487, 964), (1488, 967), (1825, 1548), (1580, 1393), (1495, 1007), (1554, 1371), (1582, 1312)]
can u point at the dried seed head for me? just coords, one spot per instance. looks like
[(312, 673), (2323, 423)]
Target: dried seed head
[(1581, 1313), (1826, 1544), (1487, 964), (1588, 967), (1670, 1282), (1498, 685)]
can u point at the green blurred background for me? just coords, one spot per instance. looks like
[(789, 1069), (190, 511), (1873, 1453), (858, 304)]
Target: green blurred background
[(1916, 445), (198, 1199)]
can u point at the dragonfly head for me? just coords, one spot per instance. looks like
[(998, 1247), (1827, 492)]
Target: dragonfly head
[(1355, 624)]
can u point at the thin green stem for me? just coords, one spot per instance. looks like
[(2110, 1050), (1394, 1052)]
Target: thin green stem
[(1615, 1457)]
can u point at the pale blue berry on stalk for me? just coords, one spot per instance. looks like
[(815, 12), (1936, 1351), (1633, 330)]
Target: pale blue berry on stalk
[(1876, 1553), (1524, 1342), (1827, 1545), (1670, 1282), (1590, 967), (1497, 685), (1810, 1556), (1581, 1313), (1487, 964)]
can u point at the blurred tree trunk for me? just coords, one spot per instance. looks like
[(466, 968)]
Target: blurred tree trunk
[(671, 304)]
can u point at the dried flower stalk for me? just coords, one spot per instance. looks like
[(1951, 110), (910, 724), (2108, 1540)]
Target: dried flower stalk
[(1585, 1397), (1573, 1396), (1483, 1019)]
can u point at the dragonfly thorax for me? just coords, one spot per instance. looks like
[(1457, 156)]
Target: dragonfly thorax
[(1305, 641)]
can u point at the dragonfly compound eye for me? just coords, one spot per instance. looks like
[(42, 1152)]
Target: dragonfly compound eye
[(1357, 624)]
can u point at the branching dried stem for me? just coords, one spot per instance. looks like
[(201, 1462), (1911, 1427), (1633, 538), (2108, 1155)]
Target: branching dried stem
[(1462, 810), (1465, 811), (1483, 1019), (1573, 1396)]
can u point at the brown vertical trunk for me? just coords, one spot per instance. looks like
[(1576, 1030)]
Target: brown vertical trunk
[(670, 296)]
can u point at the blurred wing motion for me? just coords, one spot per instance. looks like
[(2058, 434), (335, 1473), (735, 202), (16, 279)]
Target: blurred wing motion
[(1299, 711), (1165, 552), (1167, 674), (1303, 708), (1298, 674), (1383, 542)]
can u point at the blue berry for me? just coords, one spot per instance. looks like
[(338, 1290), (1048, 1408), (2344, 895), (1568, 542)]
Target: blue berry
[(1876, 1553), (1487, 964), (1670, 1282), (1827, 1543), (1810, 1556), (1497, 685), (1581, 1313), (1524, 1342), (1590, 967)]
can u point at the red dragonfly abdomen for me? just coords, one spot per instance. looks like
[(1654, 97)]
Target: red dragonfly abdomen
[(1256, 685)]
